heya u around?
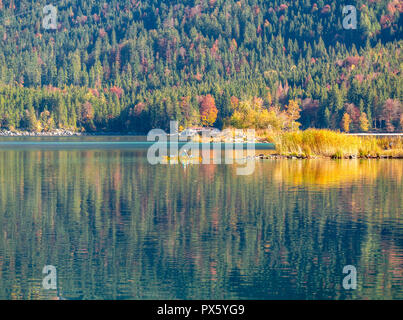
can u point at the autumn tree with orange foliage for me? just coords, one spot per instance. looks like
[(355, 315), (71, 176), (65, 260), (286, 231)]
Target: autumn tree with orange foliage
[(208, 110), (390, 113)]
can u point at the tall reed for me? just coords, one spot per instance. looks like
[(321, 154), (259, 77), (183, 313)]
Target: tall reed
[(327, 143)]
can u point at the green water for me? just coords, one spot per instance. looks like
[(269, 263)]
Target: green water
[(116, 227)]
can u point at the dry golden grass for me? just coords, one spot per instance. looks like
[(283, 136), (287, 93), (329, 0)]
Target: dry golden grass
[(327, 143), (394, 153)]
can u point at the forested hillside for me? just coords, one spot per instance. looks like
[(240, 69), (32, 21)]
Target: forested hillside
[(133, 65)]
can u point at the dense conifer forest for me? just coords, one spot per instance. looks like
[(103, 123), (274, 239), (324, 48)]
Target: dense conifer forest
[(131, 65)]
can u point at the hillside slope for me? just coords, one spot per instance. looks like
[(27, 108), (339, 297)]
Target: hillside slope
[(135, 65)]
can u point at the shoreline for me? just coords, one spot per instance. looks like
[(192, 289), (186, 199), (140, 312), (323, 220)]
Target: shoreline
[(287, 145), (70, 133), (277, 156), (63, 133)]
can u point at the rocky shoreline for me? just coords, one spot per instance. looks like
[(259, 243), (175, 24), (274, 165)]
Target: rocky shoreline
[(61, 133), (54, 133), (351, 157)]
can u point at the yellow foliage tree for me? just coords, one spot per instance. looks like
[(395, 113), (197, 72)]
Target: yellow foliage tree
[(251, 114), (293, 112), (364, 123), (345, 122), (269, 119), (269, 98)]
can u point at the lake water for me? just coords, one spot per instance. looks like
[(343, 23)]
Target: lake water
[(116, 227)]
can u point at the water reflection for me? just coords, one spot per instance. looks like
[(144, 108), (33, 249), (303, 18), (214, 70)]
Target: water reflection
[(117, 228)]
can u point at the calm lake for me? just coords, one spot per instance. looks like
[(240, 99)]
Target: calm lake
[(116, 227)]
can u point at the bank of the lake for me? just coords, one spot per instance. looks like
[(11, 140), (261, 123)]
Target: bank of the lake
[(307, 144), (62, 133)]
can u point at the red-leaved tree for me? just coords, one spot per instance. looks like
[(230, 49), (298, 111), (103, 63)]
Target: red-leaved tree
[(208, 110)]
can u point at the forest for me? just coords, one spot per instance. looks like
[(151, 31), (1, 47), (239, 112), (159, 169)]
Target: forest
[(131, 65)]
